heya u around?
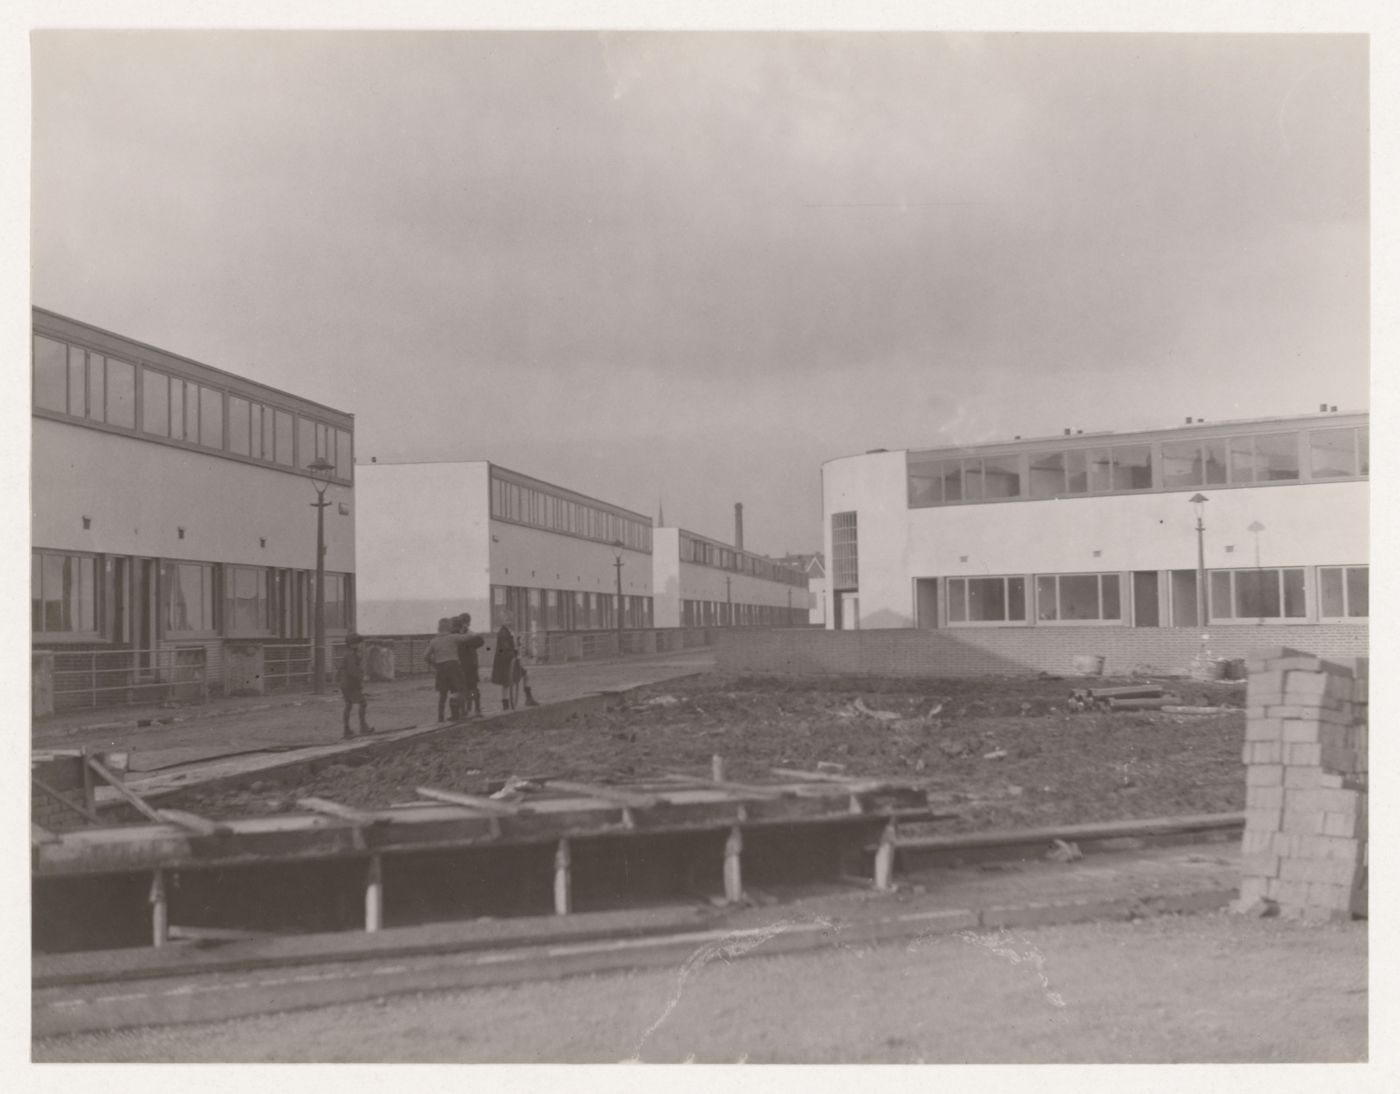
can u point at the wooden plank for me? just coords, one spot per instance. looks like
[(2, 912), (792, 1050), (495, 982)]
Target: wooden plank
[(136, 800), (39, 835), (474, 801), (631, 799), (736, 788), (213, 934), (816, 776), (341, 812), (194, 823)]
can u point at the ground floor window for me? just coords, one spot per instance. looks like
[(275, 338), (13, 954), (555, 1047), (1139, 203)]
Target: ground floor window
[(1344, 592), (63, 593), (188, 594), (248, 600), (1257, 594), (338, 602), (1068, 598), (986, 599)]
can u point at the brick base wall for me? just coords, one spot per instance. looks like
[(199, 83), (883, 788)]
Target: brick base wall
[(971, 652)]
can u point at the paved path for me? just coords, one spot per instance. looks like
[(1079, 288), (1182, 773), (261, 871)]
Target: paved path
[(224, 727)]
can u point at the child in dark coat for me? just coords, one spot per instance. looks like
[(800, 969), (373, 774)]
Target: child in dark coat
[(506, 668), (471, 671), (352, 683)]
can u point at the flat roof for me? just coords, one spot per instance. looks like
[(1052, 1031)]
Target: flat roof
[(1220, 427), (524, 480), (155, 355)]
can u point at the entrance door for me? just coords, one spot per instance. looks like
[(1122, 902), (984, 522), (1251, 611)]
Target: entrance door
[(848, 611), (1146, 612), (926, 603)]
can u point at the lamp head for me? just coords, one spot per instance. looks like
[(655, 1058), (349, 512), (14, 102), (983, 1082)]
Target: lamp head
[(321, 471)]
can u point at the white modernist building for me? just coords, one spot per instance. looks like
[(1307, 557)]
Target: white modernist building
[(1107, 529), (437, 539), (172, 512)]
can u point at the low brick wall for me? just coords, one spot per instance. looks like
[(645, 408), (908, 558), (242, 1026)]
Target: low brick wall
[(1305, 849), (971, 652)]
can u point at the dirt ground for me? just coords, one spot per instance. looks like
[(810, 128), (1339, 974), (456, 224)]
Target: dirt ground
[(1003, 752), (1204, 989)]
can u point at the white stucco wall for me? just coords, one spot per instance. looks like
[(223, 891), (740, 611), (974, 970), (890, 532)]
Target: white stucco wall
[(140, 493), (1307, 524), (422, 547), (707, 583), (537, 559)]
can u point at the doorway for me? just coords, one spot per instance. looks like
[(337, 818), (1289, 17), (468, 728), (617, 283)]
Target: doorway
[(848, 611), (926, 603), (1146, 609)]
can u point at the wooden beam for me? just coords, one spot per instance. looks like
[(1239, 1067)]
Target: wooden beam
[(341, 812), (563, 879), (474, 801), (374, 895), (733, 868), (58, 796), (814, 776), (884, 858), (200, 825), (39, 835), (737, 788), (631, 799), (141, 807), (213, 934), (160, 910)]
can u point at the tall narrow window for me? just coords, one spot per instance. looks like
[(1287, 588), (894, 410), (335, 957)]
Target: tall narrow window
[(121, 393), (155, 403), (50, 374), (845, 568)]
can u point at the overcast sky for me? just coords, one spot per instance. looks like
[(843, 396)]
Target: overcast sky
[(692, 267)]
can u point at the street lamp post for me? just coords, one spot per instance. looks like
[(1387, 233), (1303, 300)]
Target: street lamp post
[(1199, 501), (617, 565), (321, 470)]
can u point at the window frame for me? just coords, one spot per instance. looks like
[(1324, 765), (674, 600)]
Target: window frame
[(1213, 578), (1105, 578), (962, 580), (1344, 572), (96, 633)]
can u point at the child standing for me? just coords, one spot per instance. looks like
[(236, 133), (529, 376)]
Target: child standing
[(441, 654), (352, 684), (471, 671), (506, 668)]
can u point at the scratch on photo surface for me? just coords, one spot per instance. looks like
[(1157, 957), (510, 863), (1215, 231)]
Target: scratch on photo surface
[(734, 944), (1003, 944)]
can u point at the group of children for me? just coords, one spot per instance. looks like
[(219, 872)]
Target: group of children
[(452, 656)]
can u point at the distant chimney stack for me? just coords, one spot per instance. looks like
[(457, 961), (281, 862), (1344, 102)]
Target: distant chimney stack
[(738, 526)]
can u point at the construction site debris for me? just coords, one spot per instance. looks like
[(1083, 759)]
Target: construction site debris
[(879, 715), (1137, 704), (1067, 763), (1064, 852), (1194, 710), (998, 754)]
